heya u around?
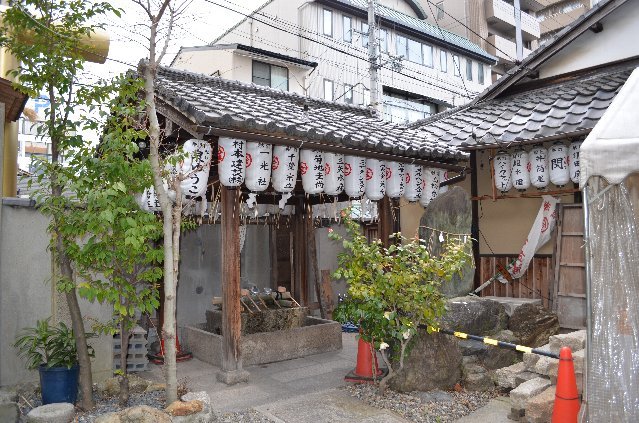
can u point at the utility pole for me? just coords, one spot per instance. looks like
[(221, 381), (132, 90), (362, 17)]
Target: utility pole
[(376, 104), (518, 37)]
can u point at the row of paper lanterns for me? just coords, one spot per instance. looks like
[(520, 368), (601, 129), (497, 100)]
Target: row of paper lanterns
[(255, 164), (519, 169)]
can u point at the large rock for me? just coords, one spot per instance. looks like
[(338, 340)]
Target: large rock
[(138, 414), (52, 413), (474, 315), (434, 362), (532, 324), (574, 340), (496, 357), (205, 415), (449, 212), (479, 382)]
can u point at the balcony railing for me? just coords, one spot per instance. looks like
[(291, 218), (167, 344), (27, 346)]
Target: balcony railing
[(504, 49), (501, 15)]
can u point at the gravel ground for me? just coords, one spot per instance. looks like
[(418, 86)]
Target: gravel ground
[(29, 400), (423, 407)]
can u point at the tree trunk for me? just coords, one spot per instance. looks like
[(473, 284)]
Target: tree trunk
[(85, 378), (124, 352)]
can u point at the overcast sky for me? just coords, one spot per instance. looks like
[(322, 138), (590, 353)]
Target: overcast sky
[(200, 25)]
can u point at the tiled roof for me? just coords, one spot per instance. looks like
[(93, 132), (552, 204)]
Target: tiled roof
[(216, 102), (429, 30), (564, 107)]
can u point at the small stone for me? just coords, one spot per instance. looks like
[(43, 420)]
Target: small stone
[(521, 394), (204, 416), (137, 384), (574, 340), (52, 413), (434, 396), (108, 418), (182, 408), (9, 412), (539, 408), (201, 396), (109, 387), (505, 377), (155, 386), (143, 414), (479, 382), (473, 368), (516, 414)]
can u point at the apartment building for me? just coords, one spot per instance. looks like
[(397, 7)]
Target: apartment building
[(320, 49), (555, 15), (31, 141)]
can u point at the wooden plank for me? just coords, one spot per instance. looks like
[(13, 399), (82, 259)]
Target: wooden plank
[(231, 319), (326, 293), (385, 222), (566, 294), (572, 264), (274, 262), (312, 258)]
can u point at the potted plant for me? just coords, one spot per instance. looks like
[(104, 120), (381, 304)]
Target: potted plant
[(52, 350)]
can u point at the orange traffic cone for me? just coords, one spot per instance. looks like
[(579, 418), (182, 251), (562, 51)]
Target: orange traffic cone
[(567, 401), (363, 372)]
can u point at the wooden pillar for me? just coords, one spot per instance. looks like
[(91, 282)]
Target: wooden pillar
[(474, 225), (385, 223), (231, 372), (301, 285)]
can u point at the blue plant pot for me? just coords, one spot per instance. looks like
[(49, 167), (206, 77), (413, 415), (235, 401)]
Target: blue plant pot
[(59, 384)]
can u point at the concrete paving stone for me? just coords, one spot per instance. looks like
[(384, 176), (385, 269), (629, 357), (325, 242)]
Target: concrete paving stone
[(330, 406), (539, 408), (521, 394), (506, 376), (547, 366), (9, 412), (496, 411), (310, 371), (575, 340)]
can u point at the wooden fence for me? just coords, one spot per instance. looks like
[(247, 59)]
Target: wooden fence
[(536, 283)]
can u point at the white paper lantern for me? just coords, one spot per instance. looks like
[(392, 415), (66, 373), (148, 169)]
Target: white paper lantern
[(312, 171), (333, 173), (520, 170), (538, 158), (431, 186), (558, 163), (354, 174), (197, 166), (443, 176), (375, 179), (284, 173), (414, 182), (258, 165), (573, 160), (503, 170), (231, 161), (395, 179)]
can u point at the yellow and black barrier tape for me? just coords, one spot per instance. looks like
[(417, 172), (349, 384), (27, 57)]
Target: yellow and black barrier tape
[(494, 342)]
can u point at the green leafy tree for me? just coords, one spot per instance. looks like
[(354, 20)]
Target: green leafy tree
[(48, 38), (119, 240), (393, 291)]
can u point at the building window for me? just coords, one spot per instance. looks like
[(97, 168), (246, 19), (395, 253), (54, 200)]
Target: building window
[(270, 75), (440, 10), (469, 69), (328, 22), (383, 40), (480, 73), (401, 46), (348, 94), (347, 23), (443, 60), (328, 90), (404, 109), (428, 54), (364, 34), (456, 69), (415, 51), (367, 97)]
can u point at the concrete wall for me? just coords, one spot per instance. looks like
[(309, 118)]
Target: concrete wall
[(27, 293), (200, 268), (592, 49)]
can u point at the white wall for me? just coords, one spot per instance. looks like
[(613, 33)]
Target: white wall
[(617, 41)]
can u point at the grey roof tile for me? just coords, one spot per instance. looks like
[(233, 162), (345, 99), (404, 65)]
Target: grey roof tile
[(553, 108)]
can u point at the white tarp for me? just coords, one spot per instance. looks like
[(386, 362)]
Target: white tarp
[(611, 150), (539, 235)]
